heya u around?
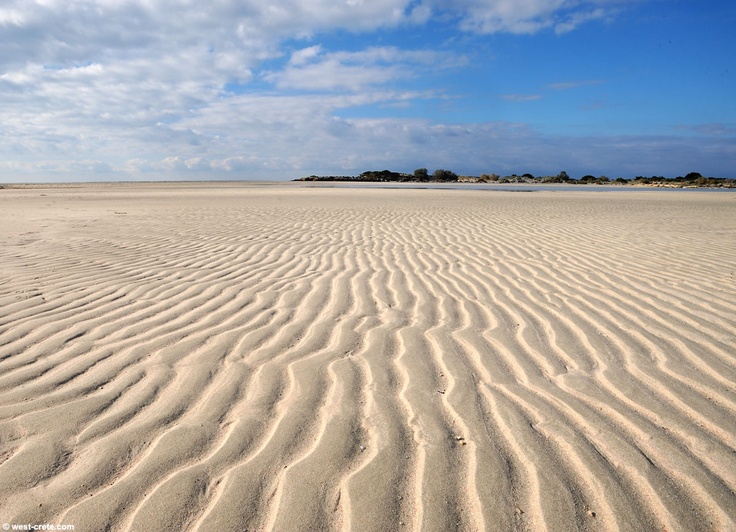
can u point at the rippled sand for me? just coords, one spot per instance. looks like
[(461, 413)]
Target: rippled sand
[(283, 357)]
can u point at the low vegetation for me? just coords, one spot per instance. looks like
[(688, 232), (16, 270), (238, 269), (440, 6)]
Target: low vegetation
[(422, 175)]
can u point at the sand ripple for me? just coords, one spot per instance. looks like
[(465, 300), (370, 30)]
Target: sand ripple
[(283, 358)]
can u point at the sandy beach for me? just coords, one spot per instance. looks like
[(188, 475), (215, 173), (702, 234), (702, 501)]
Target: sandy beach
[(290, 357)]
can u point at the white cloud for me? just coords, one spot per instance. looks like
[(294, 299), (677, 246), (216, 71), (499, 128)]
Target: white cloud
[(567, 85), (312, 69), (526, 16), (11, 17), (576, 19), (305, 55), (711, 129), (515, 16), (521, 97)]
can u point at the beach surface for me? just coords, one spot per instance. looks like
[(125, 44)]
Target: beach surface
[(291, 357)]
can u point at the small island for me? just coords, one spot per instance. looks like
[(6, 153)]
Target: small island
[(422, 175)]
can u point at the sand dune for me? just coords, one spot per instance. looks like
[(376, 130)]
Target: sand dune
[(284, 357)]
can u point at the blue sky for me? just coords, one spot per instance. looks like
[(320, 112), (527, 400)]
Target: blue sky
[(169, 89)]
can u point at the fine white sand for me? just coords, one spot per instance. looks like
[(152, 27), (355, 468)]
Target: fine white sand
[(285, 357)]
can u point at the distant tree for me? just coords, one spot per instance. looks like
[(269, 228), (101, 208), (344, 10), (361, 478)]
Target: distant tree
[(528, 176), (444, 175), (382, 175), (489, 177), (692, 176), (421, 174), (563, 176), (587, 178)]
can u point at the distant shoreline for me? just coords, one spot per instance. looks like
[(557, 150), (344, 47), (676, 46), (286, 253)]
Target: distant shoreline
[(551, 182), (691, 180)]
